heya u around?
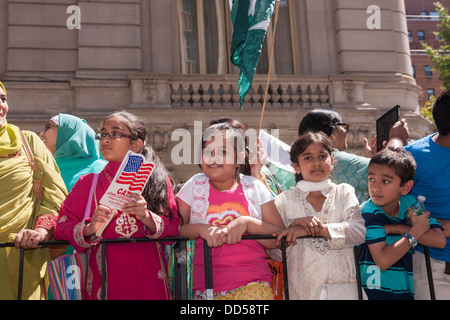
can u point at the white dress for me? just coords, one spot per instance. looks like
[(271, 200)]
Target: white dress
[(308, 261)]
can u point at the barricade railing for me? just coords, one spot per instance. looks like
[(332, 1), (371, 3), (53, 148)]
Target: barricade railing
[(180, 267), (209, 270), (179, 245)]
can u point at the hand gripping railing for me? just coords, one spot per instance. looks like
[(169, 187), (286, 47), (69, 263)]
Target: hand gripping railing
[(209, 271), (180, 268), (209, 275), (179, 274)]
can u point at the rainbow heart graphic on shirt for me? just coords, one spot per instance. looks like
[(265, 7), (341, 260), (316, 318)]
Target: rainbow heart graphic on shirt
[(222, 215)]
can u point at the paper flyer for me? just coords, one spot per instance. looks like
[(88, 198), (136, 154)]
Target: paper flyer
[(132, 176)]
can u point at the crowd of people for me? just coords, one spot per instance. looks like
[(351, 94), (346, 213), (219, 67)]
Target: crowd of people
[(336, 201)]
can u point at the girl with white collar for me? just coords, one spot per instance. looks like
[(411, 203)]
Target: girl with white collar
[(321, 209)]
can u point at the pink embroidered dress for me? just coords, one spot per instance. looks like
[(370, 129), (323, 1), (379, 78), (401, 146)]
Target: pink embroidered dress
[(233, 265), (135, 271)]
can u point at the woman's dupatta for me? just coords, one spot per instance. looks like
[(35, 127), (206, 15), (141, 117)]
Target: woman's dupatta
[(19, 211)]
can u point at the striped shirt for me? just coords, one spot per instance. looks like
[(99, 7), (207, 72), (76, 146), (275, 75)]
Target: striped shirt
[(395, 283)]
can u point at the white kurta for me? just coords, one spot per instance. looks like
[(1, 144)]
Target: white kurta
[(308, 261)]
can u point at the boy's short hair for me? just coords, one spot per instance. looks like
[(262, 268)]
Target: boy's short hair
[(399, 159)]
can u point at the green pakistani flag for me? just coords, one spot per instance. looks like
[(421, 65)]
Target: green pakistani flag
[(250, 19)]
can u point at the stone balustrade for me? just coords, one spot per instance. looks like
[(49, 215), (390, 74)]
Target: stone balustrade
[(226, 94), (217, 91)]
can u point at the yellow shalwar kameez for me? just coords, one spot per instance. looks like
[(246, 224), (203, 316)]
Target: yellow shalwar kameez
[(19, 210)]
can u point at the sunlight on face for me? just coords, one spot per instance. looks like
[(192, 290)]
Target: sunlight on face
[(315, 163)]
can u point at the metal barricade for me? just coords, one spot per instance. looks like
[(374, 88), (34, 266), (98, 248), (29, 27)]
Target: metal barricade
[(180, 268), (209, 273), (179, 274)]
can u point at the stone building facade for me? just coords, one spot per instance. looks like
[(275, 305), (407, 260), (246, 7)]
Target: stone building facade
[(168, 62)]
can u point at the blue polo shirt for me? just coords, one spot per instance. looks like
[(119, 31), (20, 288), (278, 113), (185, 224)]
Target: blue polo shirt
[(432, 180), (395, 283)]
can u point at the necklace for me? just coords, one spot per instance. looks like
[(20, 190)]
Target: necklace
[(319, 245)]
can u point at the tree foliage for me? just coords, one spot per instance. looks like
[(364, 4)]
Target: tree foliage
[(426, 111), (441, 56)]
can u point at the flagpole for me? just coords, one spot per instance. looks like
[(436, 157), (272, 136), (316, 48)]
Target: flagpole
[(270, 64)]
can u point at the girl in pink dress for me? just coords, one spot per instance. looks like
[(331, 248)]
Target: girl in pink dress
[(136, 271), (220, 205)]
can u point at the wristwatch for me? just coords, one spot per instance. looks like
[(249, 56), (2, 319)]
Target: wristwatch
[(411, 239)]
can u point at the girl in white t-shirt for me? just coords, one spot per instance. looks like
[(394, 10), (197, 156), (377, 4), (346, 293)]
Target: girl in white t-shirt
[(219, 206)]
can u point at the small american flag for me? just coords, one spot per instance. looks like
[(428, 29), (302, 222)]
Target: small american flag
[(135, 173)]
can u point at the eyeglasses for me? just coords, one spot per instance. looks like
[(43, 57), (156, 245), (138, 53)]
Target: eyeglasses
[(48, 126), (345, 125), (113, 135)]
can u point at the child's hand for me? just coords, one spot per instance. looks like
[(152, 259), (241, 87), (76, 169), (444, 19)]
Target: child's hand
[(101, 215), (214, 236), (420, 224), (291, 234), (236, 229), (312, 225), (137, 206)]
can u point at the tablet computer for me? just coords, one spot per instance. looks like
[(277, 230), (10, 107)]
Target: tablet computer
[(384, 125)]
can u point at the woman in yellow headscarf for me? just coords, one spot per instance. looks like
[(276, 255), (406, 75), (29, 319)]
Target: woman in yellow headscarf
[(25, 218)]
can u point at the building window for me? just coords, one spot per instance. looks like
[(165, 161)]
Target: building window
[(428, 73), (410, 36), (421, 35), (205, 30), (430, 92), (423, 15), (202, 41), (434, 15), (413, 70), (286, 56)]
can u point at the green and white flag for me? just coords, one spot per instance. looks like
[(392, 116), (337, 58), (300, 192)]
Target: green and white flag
[(278, 161), (250, 19)]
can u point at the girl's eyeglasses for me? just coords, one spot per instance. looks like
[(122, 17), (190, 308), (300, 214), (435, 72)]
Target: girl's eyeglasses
[(49, 125), (113, 135)]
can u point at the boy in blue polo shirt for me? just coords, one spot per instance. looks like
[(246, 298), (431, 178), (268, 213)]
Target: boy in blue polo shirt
[(432, 180), (386, 260)]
